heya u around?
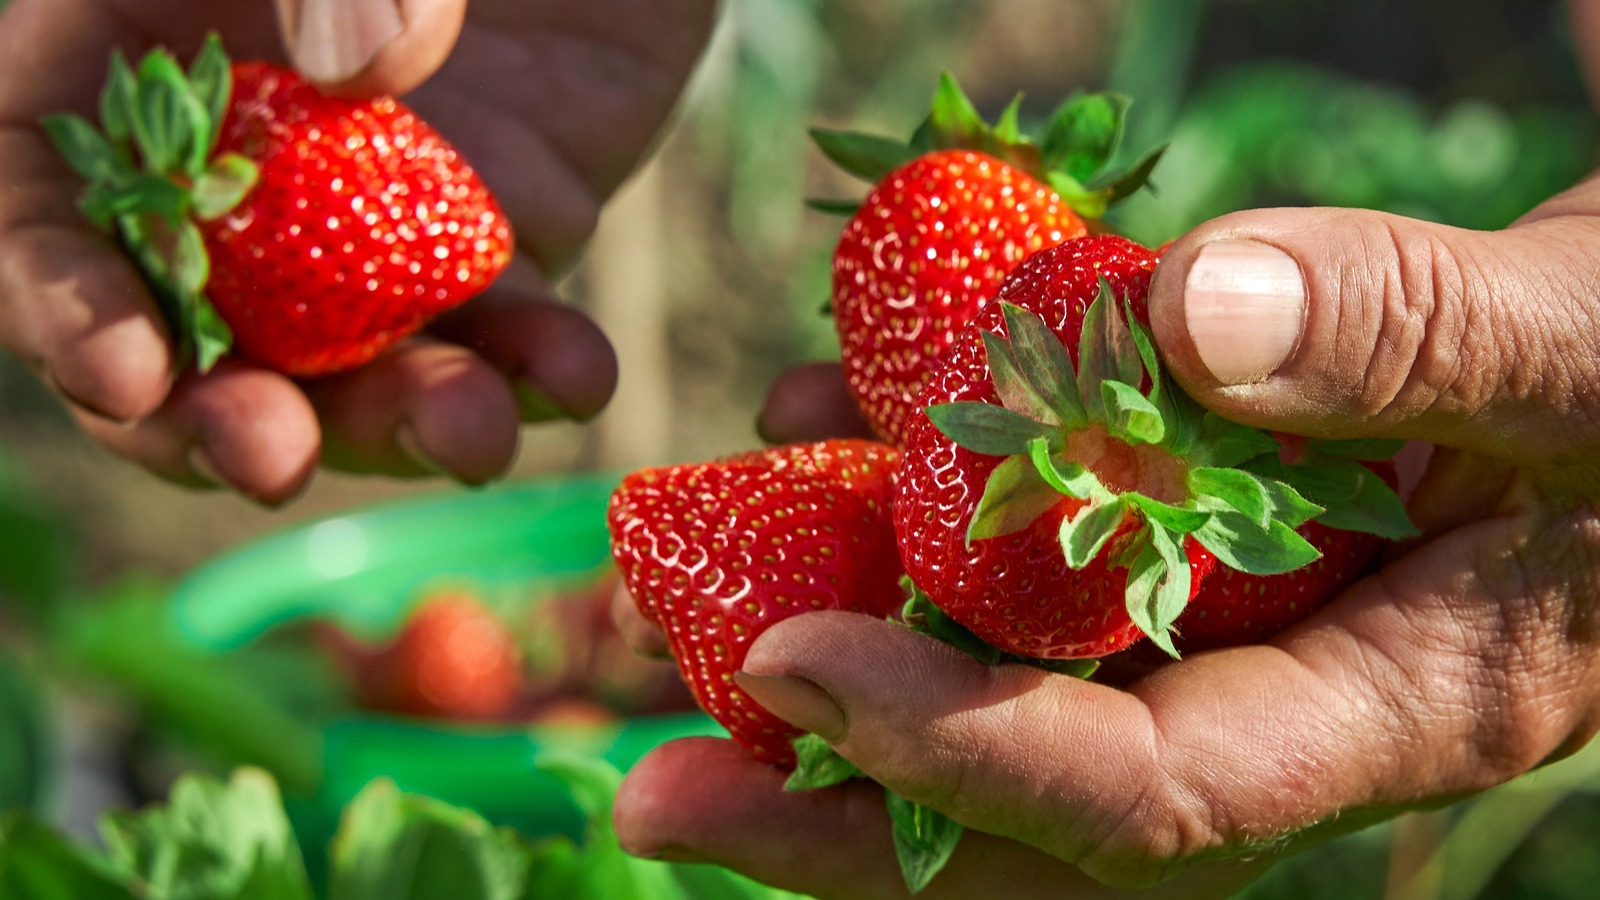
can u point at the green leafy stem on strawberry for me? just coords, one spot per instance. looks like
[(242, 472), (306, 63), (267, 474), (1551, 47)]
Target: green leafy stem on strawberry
[(1150, 466), (1072, 153), (170, 121)]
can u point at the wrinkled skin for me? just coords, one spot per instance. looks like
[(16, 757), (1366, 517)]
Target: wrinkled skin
[(446, 403), (1470, 658)]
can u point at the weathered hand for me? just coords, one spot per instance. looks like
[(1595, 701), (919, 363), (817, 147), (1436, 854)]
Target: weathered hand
[(554, 103), (1472, 658)]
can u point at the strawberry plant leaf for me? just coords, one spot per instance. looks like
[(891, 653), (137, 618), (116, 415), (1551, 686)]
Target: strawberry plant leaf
[(1016, 392), (1084, 134), (1008, 128), (1114, 187), (869, 157), (1071, 479), (1127, 363), (1356, 499), (1130, 416), (161, 121), (223, 185), (211, 80), (1239, 543), (37, 863), (1014, 497), (1084, 535), (986, 428), (191, 267), (1044, 361), (1224, 444), (212, 839), (845, 208), (924, 840), (1235, 489), (1158, 586), (1094, 358), (922, 615), (1175, 519), (818, 765), (118, 99), (85, 149), (955, 121)]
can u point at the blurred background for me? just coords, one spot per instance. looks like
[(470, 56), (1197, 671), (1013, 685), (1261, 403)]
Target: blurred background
[(710, 274)]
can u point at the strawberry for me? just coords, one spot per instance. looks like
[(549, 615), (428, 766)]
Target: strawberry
[(715, 553), (306, 233), (1061, 498), (453, 659), (950, 214)]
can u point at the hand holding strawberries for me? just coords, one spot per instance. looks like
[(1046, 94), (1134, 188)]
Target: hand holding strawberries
[(446, 400), (1467, 660)]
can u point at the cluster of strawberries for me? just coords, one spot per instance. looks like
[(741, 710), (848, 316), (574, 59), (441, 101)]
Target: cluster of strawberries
[(1042, 489)]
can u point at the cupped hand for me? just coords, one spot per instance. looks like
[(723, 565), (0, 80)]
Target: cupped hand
[(554, 103), (1467, 660)]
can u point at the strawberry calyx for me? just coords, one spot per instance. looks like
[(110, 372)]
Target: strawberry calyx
[(1148, 466), (1072, 152), (152, 174)]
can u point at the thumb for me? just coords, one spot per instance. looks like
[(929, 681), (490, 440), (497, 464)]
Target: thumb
[(1352, 323), (370, 47)]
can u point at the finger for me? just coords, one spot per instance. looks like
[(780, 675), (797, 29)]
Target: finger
[(237, 426), (370, 47), (706, 800), (811, 403), (556, 359), (1354, 323), (425, 408), (641, 635), (1428, 682)]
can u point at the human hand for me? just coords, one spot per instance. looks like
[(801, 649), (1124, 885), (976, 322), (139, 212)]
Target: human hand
[(553, 102), (1461, 664)]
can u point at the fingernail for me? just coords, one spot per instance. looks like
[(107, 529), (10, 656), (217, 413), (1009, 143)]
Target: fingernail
[(797, 701), (203, 468), (335, 39), (1244, 304)]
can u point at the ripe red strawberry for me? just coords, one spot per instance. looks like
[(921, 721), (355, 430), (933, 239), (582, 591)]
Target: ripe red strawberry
[(717, 552), (453, 659), (305, 232), (950, 214), (1061, 498)]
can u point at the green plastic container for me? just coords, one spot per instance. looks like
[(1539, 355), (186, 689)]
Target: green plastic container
[(363, 570)]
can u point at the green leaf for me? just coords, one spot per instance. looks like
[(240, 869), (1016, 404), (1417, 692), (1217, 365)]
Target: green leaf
[(157, 129), (1225, 444), (845, 208), (1356, 499), (1085, 534), (1146, 347), (212, 336), (955, 121), (1084, 134), (922, 615), (1117, 186), (191, 267), (818, 765), (1014, 497), (223, 186), (1158, 587), (211, 77), (395, 846), (1130, 416), (1175, 519), (36, 863), (1239, 543), (1016, 392), (1008, 129), (866, 156), (923, 840), (1233, 489), (1071, 479), (1106, 352), (601, 868), (1128, 363), (118, 100), (1371, 449), (26, 751), (1044, 361), (212, 839), (987, 428), (85, 149)]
